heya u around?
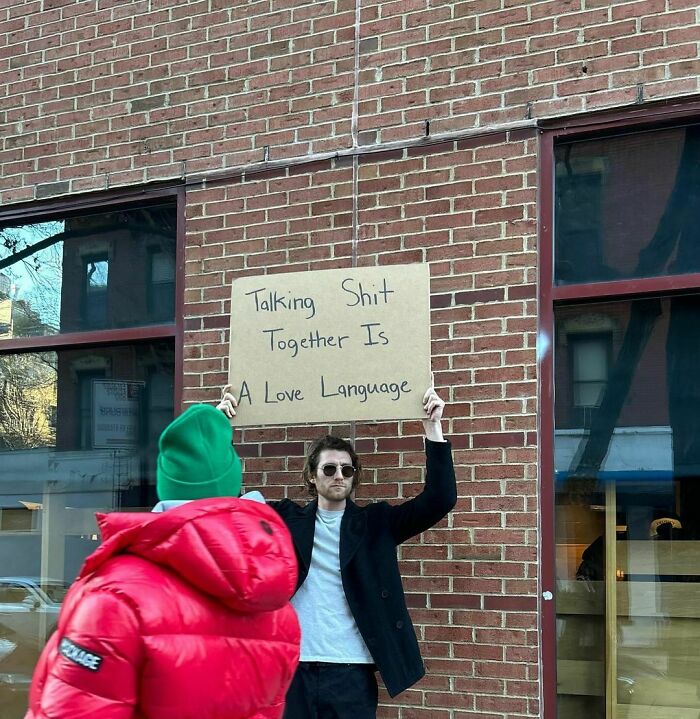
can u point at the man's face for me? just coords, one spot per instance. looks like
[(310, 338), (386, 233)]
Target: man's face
[(336, 488)]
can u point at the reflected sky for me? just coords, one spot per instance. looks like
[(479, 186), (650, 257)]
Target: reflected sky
[(37, 279)]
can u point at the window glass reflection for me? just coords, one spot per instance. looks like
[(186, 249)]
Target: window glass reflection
[(627, 206), (95, 273), (91, 272), (78, 434), (627, 511), (27, 401)]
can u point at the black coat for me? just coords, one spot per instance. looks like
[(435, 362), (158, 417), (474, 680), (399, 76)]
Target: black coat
[(368, 566)]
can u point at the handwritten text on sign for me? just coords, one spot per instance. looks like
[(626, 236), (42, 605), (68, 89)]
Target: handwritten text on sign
[(330, 345)]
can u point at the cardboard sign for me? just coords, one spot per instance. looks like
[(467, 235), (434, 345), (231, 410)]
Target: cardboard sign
[(330, 345)]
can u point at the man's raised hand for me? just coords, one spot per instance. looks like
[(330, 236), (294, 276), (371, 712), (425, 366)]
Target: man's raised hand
[(228, 403), (433, 406)]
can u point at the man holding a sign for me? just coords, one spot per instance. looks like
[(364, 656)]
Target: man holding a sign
[(349, 597)]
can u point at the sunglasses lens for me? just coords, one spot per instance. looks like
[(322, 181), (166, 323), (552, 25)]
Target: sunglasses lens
[(346, 470)]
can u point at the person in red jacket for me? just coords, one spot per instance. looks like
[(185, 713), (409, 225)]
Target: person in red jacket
[(183, 614)]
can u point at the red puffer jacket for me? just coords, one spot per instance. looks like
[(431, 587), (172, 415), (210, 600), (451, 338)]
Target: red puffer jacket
[(180, 615)]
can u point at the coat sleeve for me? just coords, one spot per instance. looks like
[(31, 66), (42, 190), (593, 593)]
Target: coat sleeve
[(90, 666), (438, 497)]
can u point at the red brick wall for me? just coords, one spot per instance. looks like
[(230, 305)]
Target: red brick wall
[(102, 93), (467, 208)]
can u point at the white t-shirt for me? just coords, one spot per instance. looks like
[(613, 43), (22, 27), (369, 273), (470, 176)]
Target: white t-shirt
[(328, 630)]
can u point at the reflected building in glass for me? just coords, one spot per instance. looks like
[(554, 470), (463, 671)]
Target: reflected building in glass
[(80, 412), (627, 427)]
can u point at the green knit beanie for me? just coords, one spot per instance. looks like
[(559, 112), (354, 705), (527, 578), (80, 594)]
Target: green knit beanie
[(196, 458)]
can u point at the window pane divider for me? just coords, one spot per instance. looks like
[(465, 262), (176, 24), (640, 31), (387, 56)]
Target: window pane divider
[(611, 689), (71, 339), (627, 288)]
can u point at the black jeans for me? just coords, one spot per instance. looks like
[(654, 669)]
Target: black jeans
[(332, 691)]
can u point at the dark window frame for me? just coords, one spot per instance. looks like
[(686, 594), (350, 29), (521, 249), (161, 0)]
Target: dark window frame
[(672, 113), (83, 204)]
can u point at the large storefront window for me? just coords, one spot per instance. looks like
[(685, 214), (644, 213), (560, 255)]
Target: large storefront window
[(627, 425), (79, 418)]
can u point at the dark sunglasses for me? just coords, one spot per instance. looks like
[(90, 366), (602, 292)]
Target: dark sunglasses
[(330, 469)]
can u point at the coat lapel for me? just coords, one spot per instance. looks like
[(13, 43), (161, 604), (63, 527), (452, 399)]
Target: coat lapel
[(352, 531), (302, 526)]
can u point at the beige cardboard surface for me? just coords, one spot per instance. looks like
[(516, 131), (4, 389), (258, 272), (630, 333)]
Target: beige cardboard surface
[(330, 345)]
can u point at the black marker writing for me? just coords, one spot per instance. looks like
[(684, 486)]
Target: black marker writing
[(362, 296), (245, 394), (313, 340), (273, 301), (375, 337), (286, 395), (364, 390)]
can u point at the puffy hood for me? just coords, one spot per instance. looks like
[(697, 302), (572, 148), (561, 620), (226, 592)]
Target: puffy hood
[(236, 551)]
